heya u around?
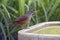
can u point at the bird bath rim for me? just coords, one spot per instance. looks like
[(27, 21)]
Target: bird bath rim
[(32, 28)]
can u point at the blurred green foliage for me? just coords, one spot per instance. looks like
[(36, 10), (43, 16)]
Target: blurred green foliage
[(47, 10)]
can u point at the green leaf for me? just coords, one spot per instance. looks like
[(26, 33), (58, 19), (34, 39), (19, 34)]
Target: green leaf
[(21, 7), (3, 31)]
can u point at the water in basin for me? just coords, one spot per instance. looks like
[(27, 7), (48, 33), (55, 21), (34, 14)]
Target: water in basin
[(53, 30)]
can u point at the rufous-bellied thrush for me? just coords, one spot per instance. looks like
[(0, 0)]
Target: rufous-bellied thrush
[(25, 18)]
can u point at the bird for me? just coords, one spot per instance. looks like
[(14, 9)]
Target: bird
[(24, 19)]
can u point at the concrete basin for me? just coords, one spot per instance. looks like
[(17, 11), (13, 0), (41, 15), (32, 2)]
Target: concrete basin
[(27, 34)]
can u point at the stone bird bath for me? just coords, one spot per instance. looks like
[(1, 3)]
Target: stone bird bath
[(27, 34)]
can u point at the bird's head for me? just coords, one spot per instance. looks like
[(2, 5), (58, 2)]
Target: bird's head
[(30, 12)]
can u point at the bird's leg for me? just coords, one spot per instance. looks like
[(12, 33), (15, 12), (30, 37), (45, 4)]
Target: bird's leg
[(22, 26), (28, 24), (25, 26)]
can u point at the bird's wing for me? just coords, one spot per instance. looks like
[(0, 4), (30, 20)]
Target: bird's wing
[(22, 18)]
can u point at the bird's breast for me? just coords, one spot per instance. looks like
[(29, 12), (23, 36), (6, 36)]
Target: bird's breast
[(22, 22)]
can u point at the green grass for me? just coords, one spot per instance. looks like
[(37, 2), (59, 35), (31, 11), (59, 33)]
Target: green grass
[(49, 31)]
